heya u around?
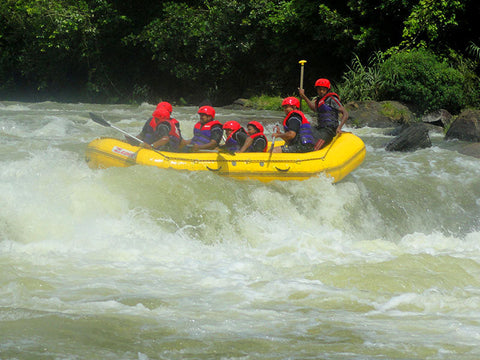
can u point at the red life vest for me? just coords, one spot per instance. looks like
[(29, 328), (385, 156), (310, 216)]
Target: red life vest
[(304, 135), (173, 134), (174, 129), (231, 142), (203, 132), (153, 123), (175, 122), (302, 115), (327, 116), (322, 100)]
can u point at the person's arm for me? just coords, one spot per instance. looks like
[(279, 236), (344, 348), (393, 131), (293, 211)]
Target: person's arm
[(163, 131), (246, 144), (309, 102), (287, 136), (293, 125), (184, 143), (210, 145), (140, 136), (215, 138), (344, 114), (160, 142)]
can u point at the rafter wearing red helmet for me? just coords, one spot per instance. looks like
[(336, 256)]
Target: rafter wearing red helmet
[(297, 131), (256, 140), (161, 131), (207, 133), (236, 136), (327, 107)]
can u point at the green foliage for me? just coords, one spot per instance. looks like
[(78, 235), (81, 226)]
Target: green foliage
[(221, 46), (398, 115), (474, 50), (362, 82), (265, 102), (47, 36), (103, 50), (428, 20), (49, 46), (470, 80), (418, 78)]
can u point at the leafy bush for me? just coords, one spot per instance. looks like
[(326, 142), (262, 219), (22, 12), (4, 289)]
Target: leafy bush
[(419, 78), (362, 82), (266, 102)]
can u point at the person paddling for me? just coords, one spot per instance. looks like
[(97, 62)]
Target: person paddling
[(208, 132), (327, 106), (256, 140), (298, 132), (161, 130), (167, 132), (173, 145), (236, 136)]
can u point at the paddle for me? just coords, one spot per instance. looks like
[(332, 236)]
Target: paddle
[(302, 63), (273, 140), (99, 120)]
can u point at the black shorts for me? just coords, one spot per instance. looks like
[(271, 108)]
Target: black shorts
[(325, 133)]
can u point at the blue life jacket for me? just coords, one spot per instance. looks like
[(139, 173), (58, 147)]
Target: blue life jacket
[(304, 135), (231, 143), (202, 133), (150, 131), (327, 116)]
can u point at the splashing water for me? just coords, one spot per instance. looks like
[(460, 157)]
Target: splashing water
[(144, 263)]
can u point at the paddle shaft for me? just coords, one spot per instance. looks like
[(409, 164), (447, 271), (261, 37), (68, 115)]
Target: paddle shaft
[(273, 145), (302, 64), (273, 140), (103, 122), (133, 137), (99, 120)]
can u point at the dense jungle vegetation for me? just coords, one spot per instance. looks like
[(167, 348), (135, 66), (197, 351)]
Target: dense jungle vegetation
[(420, 52)]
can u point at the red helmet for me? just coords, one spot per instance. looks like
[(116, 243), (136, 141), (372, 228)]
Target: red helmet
[(293, 101), (207, 110), (257, 125), (323, 82), (231, 125), (161, 114), (167, 106)]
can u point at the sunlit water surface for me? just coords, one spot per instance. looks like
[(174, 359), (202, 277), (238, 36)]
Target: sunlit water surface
[(144, 263)]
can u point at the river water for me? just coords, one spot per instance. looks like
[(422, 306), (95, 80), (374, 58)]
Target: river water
[(144, 263)]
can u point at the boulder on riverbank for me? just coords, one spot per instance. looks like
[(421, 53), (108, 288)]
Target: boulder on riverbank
[(465, 127), (471, 149), (441, 118), (381, 114), (412, 134), (410, 138)]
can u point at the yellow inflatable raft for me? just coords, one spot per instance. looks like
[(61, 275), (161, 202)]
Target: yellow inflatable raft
[(339, 158)]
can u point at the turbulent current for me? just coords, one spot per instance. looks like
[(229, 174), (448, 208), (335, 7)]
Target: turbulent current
[(143, 263)]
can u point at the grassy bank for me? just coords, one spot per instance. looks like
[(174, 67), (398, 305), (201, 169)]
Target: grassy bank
[(265, 102)]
